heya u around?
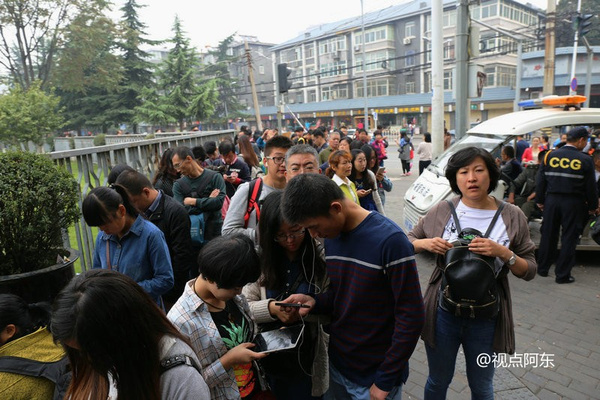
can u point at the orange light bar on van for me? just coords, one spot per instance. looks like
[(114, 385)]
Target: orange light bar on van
[(554, 101)]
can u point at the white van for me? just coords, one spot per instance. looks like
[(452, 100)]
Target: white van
[(431, 187)]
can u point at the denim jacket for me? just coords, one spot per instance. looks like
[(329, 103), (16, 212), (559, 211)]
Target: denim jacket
[(142, 254)]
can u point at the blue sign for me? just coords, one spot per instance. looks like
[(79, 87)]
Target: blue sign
[(574, 84)]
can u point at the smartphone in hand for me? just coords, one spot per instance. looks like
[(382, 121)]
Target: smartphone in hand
[(295, 305)]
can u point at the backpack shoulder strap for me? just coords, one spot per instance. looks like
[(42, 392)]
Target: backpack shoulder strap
[(489, 229), (23, 366), (454, 216), (177, 360), (254, 189)]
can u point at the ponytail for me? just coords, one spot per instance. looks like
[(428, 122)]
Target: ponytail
[(27, 318), (101, 204)]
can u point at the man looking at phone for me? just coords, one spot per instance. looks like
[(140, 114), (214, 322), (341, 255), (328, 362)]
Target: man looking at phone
[(374, 297)]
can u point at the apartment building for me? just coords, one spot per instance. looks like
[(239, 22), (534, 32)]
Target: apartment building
[(328, 70)]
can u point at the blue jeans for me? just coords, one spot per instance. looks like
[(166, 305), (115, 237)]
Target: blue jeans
[(476, 337), (342, 388)]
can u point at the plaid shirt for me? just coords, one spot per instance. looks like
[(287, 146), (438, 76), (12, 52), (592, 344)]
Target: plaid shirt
[(191, 316)]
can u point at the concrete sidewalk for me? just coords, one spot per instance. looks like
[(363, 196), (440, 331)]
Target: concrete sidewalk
[(560, 321)]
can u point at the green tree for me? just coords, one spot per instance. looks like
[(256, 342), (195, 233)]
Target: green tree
[(183, 96), (89, 70), (227, 104), (138, 71), (28, 115), (566, 10), (31, 32)]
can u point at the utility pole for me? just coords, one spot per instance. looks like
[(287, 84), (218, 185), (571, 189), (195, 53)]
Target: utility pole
[(364, 62), (573, 85), (588, 73), (254, 95), (550, 48), (462, 64), (437, 78)]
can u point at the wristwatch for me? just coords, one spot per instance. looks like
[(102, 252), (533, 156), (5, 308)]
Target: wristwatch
[(512, 260)]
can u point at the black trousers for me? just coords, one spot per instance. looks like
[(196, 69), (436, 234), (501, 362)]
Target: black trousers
[(568, 212), (423, 165)]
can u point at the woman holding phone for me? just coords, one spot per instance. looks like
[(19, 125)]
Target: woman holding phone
[(291, 262), (366, 183)]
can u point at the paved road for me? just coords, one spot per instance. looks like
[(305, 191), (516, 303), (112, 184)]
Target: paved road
[(562, 321)]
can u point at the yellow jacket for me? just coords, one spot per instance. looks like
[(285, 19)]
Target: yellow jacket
[(37, 346), (348, 188)]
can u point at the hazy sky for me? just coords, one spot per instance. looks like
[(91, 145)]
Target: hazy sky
[(272, 21)]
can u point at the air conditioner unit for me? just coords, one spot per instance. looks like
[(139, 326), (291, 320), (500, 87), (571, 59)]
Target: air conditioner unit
[(406, 41), (357, 48)]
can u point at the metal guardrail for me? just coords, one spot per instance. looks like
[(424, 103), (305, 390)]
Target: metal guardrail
[(91, 166)]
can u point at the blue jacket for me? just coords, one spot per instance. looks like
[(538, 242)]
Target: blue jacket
[(142, 254)]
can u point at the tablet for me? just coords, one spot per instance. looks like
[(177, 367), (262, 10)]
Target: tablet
[(278, 339)]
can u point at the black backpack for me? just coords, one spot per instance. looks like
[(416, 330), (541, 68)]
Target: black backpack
[(469, 288)]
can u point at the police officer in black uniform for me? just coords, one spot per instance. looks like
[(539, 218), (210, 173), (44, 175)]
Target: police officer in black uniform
[(566, 192)]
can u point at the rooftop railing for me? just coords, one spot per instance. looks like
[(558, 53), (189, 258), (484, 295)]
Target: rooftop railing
[(91, 166)]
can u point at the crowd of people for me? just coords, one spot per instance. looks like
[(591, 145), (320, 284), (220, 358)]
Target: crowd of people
[(263, 232)]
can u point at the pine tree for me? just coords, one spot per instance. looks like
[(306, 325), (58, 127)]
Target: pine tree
[(184, 97), (227, 105), (137, 69)]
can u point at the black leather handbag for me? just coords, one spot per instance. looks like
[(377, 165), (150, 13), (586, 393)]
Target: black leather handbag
[(469, 287)]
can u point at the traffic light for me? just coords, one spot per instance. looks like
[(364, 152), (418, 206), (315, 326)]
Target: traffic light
[(584, 24), (283, 73)]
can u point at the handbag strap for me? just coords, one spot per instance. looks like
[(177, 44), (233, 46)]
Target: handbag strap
[(108, 263), (489, 229)]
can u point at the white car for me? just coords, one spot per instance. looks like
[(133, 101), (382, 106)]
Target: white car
[(431, 187)]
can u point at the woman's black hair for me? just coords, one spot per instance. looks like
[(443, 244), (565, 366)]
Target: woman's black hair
[(229, 261), (466, 156), (427, 137), (356, 144), (346, 139), (370, 153), (116, 171), (117, 328), (102, 203), (366, 178), (165, 167), (273, 256), (27, 318)]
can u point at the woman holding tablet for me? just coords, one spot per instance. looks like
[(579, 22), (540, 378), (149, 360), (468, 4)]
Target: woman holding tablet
[(291, 262)]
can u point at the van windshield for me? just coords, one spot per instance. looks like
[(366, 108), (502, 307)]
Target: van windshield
[(493, 144)]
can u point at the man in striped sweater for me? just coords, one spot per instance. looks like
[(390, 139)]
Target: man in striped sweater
[(374, 298)]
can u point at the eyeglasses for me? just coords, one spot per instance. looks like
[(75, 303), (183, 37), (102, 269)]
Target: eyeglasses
[(179, 164), (282, 237), (276, 160)]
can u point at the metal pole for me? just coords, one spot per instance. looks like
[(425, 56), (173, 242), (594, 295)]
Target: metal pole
[(278, 96), (254, 96), (588, 72), (575, 44), (364, 62), (460, 81), (550, 48), (519, 75), (437, 78)]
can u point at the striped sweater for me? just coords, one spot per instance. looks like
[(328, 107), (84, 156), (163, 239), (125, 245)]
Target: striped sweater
[(375, 302)]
